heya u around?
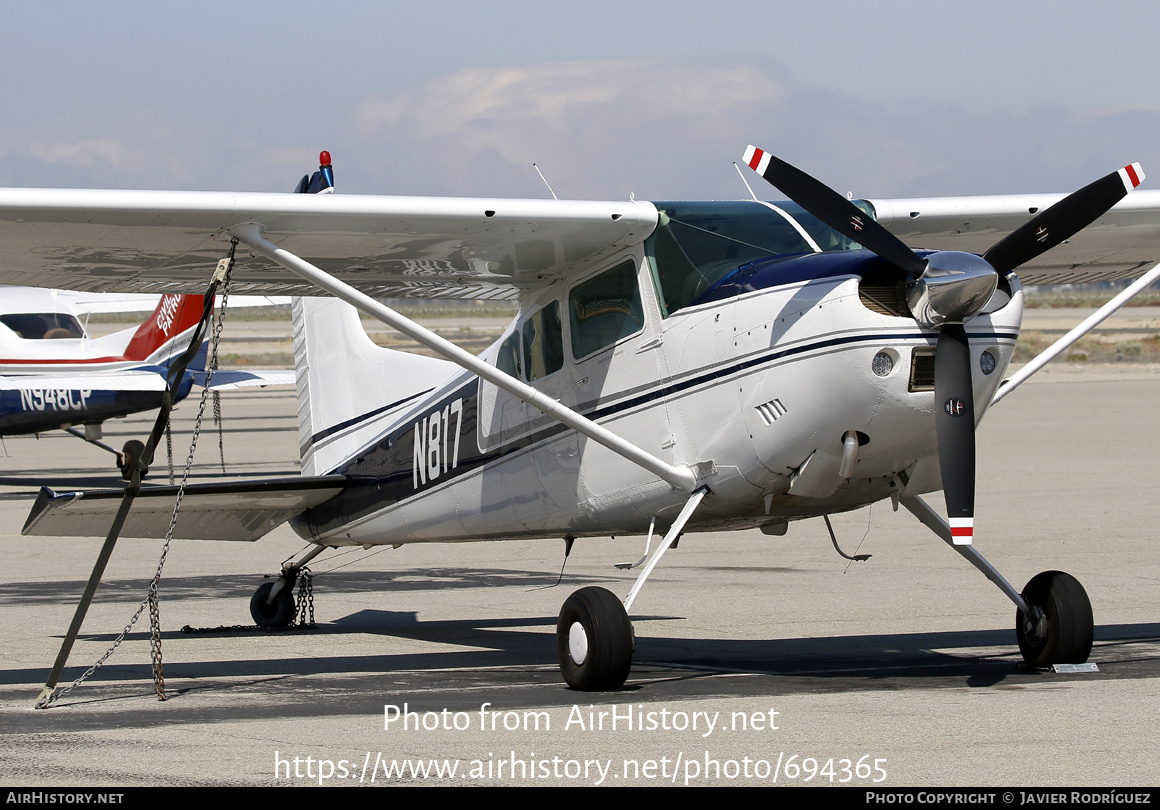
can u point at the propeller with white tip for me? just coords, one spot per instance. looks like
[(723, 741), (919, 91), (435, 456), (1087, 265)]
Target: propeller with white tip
[(945, 290)]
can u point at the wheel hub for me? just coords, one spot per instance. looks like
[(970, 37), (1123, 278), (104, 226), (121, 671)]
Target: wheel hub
[(1035, 624), (577, 643)]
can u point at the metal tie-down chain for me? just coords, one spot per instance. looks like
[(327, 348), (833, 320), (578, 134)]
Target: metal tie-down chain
[(217, 420), (154, 615), (169, 449), (304, 610)]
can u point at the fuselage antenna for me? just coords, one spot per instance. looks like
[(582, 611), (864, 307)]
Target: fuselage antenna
[(746, 182), (546, 183)]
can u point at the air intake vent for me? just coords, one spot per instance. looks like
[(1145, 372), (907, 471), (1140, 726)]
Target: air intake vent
[(770, 411), (921, 370), (885, 299)]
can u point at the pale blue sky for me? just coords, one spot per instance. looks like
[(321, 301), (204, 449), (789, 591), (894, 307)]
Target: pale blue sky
[(881, 98)]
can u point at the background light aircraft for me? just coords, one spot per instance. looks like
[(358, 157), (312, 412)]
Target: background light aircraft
[(675, 366), (53, 375)]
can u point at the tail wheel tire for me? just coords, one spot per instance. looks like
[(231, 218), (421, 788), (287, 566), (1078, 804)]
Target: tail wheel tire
[(594, 641), (1061, 627), (276, 614), (130, 454)]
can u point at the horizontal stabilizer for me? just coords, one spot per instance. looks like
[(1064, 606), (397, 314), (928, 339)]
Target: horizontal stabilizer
[(234, 510), (230, 379)]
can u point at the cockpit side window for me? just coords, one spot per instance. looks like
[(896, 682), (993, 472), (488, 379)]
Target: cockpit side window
[(605, 309), (43, 325), (543, 343), (508, 360)]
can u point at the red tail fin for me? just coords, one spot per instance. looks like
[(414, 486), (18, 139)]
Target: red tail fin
[(174, 314)]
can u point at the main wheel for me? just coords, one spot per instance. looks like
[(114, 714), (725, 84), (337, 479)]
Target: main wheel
[(277, 614), (1061, 627), (594, 641)]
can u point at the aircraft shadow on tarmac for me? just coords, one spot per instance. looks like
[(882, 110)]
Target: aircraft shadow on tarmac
[(524, 647), (175, 589)]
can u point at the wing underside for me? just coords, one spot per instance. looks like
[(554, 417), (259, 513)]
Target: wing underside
[(1122, 244), (158, 241), (166, 241)]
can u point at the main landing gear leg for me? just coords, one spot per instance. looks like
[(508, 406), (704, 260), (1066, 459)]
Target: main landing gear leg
[(1053, 621), (594, 638), (272, 605)]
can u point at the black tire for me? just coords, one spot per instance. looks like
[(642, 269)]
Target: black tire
[(272, 616), (130, 454), (604, 631), (1069, 626)]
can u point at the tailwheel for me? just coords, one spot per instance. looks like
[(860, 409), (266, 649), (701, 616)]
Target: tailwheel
[(129, 457), (594, 641), (1060, 628), (276, 613)]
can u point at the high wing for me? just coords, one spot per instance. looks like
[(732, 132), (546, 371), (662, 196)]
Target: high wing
[(163, 241), (1122, 244), (153, 241)]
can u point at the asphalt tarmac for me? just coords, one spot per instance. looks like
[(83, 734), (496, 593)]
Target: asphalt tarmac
[(759, 659)]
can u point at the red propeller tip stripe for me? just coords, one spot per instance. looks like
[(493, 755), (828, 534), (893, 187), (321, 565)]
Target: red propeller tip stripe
[(756, 159), (962, 531), (1133, 175)]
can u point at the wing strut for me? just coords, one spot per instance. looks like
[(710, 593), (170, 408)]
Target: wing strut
[(679, 477), (1095, 319)]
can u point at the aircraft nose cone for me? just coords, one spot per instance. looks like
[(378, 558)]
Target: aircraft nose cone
[(953, 289)]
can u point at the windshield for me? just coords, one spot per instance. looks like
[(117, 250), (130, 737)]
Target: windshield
[(43, 325), (696, 244)]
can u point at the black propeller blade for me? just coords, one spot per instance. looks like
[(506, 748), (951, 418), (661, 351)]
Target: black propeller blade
[(833, 209), (953, 383), (955, 427), (1063, 220)]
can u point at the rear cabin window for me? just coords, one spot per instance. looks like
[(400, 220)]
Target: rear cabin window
[(543, 343), (605, 309), (508, 360)]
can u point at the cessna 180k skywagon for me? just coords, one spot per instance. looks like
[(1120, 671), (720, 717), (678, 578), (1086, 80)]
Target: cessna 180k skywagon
[(675, 366)]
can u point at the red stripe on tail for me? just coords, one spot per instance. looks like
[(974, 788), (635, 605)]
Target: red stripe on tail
[(174, 314)]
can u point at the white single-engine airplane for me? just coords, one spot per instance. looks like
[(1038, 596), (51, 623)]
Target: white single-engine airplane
[(685, 365)]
